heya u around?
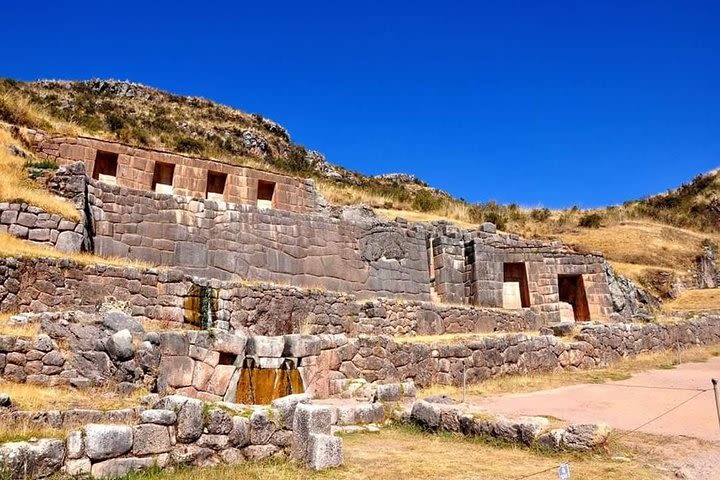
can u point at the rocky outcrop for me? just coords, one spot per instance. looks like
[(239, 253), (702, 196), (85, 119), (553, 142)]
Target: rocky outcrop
[(706, 267), (628, 300)]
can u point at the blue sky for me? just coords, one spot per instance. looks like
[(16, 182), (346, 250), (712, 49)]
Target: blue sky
[(538, 103)]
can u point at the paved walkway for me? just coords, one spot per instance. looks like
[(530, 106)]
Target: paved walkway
[(627, 404)]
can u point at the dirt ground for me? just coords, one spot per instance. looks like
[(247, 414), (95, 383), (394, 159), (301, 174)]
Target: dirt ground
[(690, 432)]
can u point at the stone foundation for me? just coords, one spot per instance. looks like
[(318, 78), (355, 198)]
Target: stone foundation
[(38, 285), (183, 431)]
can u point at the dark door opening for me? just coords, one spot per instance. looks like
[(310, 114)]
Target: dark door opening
[(265, 194), (163, 177), (105, 168), (572, 290), (216, 186), (517, 272)]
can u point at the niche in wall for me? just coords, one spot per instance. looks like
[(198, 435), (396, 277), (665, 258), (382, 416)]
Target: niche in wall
[(163, 177), (216, 186), (105, 167), (265, 194)]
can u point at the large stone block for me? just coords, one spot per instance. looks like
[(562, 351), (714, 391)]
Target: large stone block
[(176, 371), (149, 439), (308, 419), (261, 346), (119, 467), (301, 345), (107, 441), (324, 451), (190, 421)]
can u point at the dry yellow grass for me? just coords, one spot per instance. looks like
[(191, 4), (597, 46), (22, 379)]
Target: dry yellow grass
[(408, 453), (27, 330), (618, 371), (412, 216), (14, 247), (26, 114), (36, 397), (17, 187), (636, 246), (695, 301)]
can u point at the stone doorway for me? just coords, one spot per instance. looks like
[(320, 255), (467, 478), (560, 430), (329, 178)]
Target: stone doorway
[(571, 289), (515, 284)]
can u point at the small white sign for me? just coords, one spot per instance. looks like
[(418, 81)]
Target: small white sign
[(564, 471)]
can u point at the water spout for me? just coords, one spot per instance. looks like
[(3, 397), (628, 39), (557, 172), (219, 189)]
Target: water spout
[(259, 386)]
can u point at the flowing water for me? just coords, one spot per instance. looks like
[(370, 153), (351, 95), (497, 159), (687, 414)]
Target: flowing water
[(259, 386)]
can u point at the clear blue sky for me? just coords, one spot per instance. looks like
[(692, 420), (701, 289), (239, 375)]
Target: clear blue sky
[(536, 102)]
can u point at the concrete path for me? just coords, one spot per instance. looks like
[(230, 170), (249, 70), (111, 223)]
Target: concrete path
[(627, 404)]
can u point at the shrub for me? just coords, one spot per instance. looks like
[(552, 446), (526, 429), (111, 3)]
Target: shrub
[(540, 214), (497, 218), (425, 201), (590, 220), (188, 145)]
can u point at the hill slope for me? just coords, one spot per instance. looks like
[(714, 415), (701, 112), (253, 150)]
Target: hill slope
[(662, 233)]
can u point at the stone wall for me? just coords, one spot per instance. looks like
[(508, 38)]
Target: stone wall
[(32, 223), (219, 240), (135, 169), (469, 267), (38, 285), (385, 359), (181, 431), (36, 360)]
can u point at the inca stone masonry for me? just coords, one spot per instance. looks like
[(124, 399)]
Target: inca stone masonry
[(221, 221)]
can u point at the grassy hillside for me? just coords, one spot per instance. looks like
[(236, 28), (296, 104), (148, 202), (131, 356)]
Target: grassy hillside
[(662, 233)]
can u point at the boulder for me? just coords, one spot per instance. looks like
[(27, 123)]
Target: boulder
[(585, 437), (69, 242), (74, 444), (262, 427), (218, 422), (120, 345), (5, 400), (190, 421), (116, 321), (36, 459), (239, 436), (259, 452), (107, 441)]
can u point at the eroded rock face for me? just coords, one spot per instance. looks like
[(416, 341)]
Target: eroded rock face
[(707, 273), (628, 300)]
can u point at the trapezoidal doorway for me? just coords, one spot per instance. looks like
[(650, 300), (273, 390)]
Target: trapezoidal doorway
[(516, 293), (572, 290)]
